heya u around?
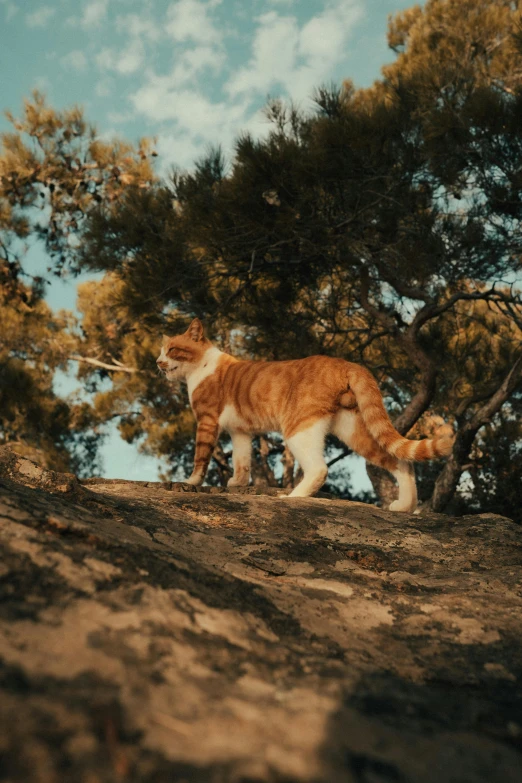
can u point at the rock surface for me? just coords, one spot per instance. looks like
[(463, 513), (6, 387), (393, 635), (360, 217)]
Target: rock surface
[(154, 635)]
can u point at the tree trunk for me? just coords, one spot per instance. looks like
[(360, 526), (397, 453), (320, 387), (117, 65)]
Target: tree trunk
[(383, 484), (264, 452), (449, 477), (288, 468), (262, 473), (223, 468), (419, 403)]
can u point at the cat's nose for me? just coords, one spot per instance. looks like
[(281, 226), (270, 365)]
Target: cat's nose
[(161, 364)]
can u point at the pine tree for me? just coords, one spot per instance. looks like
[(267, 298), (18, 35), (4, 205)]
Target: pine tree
[(383, 227), (53, 170), (372, 229)]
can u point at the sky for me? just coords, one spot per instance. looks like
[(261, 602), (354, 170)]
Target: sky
[(191, 73)]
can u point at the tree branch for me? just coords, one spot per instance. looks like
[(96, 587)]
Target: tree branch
[(103, 365), (345, 453), (448, 479), (430, 311), (419, 403), (408, 341), (223, 468), (384, 318), (410, 291), (496, 401), (264, 451)]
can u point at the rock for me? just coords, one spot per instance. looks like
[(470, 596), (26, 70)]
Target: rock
[(31, 474), (150, 633)]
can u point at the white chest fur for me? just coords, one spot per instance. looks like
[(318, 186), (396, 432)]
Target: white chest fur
[(206, 367)]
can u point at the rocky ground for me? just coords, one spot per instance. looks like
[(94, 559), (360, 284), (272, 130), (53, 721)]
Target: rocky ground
[(151, 633)]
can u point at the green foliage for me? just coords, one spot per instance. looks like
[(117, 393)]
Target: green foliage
[(496, 465), (53, 170), (34, 420), (147, 410)]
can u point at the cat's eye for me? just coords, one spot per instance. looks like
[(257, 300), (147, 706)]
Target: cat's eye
[(179, 354)]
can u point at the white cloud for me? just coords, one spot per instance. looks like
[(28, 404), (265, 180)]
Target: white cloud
[(190, 111), (44, 84), (117, 117), (274, 53), (287, 55), (10, 9), (160, 101), (295, 58), (130, 59), (179, 149), (194, 121), (94, 12), (154, 98), (105, 59), (191, 62), (40, 17), (125, 62), (183, 147), (104, 87), (138, 26), (75, 60), (189, 20), (322, 39)]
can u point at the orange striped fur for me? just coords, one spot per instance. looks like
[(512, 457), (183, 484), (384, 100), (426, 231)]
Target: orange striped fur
[(304, 399)]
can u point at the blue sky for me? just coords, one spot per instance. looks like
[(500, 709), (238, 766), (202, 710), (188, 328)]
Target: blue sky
[(192, 73)]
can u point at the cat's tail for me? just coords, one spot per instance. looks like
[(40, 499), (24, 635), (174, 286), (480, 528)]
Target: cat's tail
[(373, 413)]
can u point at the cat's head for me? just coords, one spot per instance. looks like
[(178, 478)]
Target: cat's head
[(183, 352)]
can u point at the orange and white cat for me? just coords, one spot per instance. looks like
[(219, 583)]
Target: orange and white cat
[(304, 399)]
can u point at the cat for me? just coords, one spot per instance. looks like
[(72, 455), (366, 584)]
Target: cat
[(304, 399)]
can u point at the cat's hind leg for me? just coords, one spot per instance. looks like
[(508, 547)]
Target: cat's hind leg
[(405, 475), (349, 427), (241, 459), (307, 446)]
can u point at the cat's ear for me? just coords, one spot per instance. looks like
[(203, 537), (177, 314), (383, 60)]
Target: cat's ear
[(195, 331)]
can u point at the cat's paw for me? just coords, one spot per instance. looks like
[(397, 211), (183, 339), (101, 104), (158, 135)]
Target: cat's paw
[(195, 481), (238, 482), (398, 506)]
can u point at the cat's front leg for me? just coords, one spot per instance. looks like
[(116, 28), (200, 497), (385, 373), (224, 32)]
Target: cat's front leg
[(206, 439), (241, 459)]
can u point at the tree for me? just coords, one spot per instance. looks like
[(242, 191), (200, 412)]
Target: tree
[(117, 346), (383, 227), (34, 420), (372, 229), (494, 468), (53, 169)]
